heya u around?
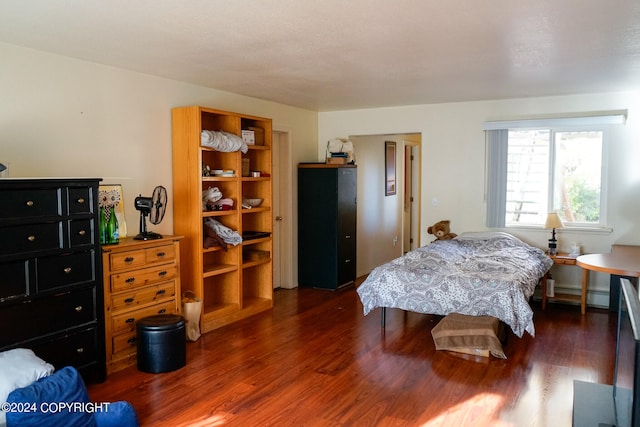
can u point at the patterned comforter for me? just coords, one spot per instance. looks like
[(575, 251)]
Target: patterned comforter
[(479, 274)]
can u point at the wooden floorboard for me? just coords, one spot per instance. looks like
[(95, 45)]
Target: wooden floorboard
[(315, 360)]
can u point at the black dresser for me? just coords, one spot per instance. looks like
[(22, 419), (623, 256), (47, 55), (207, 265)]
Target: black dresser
[(51, 298), (326, 225)]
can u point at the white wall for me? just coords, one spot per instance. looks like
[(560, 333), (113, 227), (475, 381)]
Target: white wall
[(453, 162), (65, 117)]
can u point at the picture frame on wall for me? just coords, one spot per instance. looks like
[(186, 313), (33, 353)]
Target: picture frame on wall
[(111, 195), (390, 168)]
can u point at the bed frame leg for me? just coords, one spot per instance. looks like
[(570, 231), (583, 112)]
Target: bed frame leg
[(383, 317)]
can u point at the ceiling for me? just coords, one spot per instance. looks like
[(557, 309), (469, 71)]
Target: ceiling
[(338, 55)]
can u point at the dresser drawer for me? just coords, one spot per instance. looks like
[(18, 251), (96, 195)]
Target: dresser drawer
[(127, 260), (65, 270), (75, 349), (564, 261), (80, 232), (124, 343), (160, 254), (30, 203), (80, 200), (32, 318), (143, 296), (30, 238), (14, 279), (147, 276), (127, 321)]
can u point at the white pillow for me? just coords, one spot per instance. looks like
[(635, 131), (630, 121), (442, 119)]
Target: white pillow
[(19, 368)]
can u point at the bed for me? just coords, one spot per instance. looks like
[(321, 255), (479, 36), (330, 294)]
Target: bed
[(478, 274)]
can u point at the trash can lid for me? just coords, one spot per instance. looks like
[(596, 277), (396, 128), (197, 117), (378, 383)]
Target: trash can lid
[(161, 322)]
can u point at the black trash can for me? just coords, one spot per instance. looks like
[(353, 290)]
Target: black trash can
[(161, 343)]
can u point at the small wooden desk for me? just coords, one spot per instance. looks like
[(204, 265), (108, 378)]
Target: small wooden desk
[(624, 260)]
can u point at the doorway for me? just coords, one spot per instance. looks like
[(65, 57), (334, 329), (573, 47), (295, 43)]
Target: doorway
[(282, 182), (381, 217)]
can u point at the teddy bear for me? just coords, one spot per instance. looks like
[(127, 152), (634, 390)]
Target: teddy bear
[(441, 230)]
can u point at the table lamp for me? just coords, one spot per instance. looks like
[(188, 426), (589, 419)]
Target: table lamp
[(553, 222)]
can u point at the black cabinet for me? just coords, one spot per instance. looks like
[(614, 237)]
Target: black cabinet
[(327, 196), (51, 298)]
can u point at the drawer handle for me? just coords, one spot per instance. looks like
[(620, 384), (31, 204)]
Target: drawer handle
[(129, 259), (130, 280), (162, 311), (129, 300), (67, 270), (80, 350), (161, 292), (30, 203), (79, 308), (131, 341), (31, 238), (347, 236), (81, 200), (347, 261), (130, 320), (82, 232), (160, 254), (162, 273)]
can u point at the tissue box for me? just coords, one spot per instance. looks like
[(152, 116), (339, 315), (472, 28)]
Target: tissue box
[(253, 135), (249, 137)]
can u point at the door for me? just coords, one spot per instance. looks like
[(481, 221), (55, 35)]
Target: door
[(282, 210)]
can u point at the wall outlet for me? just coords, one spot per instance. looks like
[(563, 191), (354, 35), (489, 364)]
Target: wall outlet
[(434, 202)]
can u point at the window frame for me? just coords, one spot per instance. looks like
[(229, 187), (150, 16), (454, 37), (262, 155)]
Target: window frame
[(496, 214)]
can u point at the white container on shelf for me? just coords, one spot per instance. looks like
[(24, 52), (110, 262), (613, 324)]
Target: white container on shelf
[(550, 288)]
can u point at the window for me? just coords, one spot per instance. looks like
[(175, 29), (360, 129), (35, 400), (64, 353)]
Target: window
[(554, 166), (554, 171)]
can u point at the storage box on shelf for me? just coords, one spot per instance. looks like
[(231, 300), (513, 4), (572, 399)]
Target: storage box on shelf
[(141, 278), (230, 286)]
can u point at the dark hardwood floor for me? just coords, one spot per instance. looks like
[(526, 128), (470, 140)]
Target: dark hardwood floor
[(315, 360)]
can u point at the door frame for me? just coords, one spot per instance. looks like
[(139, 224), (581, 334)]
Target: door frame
[(413, 173)]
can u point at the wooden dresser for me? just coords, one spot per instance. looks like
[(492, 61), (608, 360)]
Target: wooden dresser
[(50, 272), (141, 278)]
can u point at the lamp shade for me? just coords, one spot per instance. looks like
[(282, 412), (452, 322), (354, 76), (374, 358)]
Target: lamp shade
[(553, 221)]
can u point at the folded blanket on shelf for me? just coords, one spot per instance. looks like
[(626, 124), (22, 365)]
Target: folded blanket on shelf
[(228, 235), (223, 141)]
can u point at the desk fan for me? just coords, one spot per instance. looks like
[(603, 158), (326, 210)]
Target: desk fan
[(153, 207)]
